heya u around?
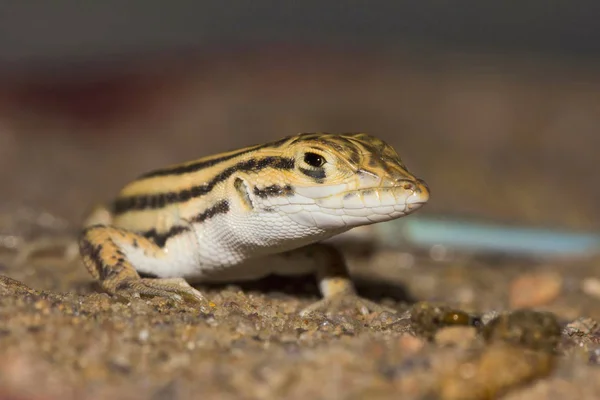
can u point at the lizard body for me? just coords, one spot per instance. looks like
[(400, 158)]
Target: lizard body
[(248, 213)]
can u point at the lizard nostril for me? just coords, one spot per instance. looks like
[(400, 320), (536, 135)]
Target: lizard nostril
[(408, 186)]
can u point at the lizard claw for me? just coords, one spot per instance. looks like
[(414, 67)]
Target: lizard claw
[(345, 301), (176, 289)]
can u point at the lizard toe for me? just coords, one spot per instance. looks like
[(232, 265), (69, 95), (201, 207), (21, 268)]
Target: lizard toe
[(176, 289), (345, 302)]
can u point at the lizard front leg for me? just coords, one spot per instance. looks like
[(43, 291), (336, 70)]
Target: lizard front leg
[(102, 251), (333, 280)]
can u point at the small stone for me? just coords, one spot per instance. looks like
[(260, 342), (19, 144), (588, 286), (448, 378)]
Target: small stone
[(487, 316), (534, 289), (428, 318), (455, 335), (581, 327), (493, 372), (595, 356), (591, 287), (411, 344), (143, 335), (527, 328)]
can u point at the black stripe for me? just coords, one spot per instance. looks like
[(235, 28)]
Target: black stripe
[(87, 249), (159, 200), (222, 207), (317, 174), (354, 155), (197, 166), (273, 191), (161, 238), (104, 271)]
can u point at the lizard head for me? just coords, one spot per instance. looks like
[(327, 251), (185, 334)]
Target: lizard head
[(340, 182)]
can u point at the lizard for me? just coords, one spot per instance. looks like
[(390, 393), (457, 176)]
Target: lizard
[(247, 213)]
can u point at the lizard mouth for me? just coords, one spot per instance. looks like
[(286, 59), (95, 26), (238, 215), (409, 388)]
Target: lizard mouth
[(412, 196), (344, 209), (411, 207)]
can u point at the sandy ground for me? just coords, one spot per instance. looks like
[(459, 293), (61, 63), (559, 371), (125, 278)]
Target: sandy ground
[(513, 142)]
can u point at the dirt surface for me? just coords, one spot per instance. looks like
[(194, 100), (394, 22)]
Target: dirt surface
[(493, 139)]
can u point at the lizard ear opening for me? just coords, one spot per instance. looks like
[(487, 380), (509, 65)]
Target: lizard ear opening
[(242, 190)]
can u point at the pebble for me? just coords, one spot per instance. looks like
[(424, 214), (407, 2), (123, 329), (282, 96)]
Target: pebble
[(411, 344), (595, 357), (581, 326), (591, 287), (492, 373), (143, 335), (527, 328), (534, 289), (456, 335)]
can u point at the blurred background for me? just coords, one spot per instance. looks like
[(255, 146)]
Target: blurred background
[(495, 104)]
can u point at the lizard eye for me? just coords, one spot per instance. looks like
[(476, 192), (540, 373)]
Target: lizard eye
[(314, 159)]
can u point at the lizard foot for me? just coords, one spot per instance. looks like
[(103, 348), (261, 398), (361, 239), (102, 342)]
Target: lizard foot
[(345, 301), (176, 289)]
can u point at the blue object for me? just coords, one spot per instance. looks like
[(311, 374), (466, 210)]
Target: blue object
[(487, 237)]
